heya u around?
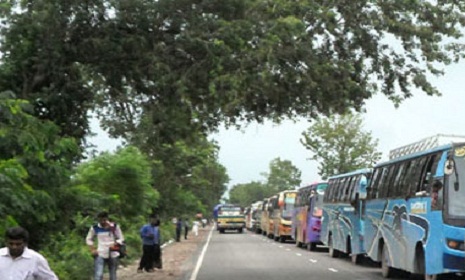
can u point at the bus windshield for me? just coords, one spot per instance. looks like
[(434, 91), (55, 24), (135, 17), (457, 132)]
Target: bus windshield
[(456, 186), (289, 201), (318, 209), (321, 188), (230, 211)]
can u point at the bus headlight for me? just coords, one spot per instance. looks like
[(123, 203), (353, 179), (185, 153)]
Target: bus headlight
[(456, 245)]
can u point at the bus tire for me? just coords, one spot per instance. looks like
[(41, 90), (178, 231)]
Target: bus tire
[(386, 270), (240, 230), (420, 266), (311, 246), (333, 253), (356, 258)]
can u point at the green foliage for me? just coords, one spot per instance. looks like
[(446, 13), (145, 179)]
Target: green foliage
[(120, 183), (35, 165), (190, 65), (246, 194), (283, 175), (340, 145)]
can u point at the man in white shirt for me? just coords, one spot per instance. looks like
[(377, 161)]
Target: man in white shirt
[(18, 262)]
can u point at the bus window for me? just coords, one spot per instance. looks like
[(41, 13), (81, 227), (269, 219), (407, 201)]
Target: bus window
[(384, 185), (372, 190), (397, 184), (426, 175)]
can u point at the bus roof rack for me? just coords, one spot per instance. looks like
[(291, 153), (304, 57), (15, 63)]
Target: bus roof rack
[(425, 144)]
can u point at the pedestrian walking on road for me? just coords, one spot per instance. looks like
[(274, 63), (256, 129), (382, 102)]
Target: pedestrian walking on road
[(186, 228), (108, 235), (178, 229), (18, 262), (195, 228)]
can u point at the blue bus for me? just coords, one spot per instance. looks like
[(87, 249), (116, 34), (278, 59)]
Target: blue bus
[(342, 228), (415, 211)]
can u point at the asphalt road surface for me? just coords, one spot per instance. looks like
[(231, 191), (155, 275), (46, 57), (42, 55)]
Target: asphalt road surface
[(251, 256)]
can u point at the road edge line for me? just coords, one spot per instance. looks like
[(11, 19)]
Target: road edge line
[(202, 254)]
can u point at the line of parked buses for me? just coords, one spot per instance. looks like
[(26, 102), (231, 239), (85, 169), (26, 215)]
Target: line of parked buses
[(407, 214)]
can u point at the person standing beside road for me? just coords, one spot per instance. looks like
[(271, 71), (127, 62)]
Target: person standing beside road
[(18, 262), (186, 228), (195, 228), (178, 229), (150, 235), (107, 234)]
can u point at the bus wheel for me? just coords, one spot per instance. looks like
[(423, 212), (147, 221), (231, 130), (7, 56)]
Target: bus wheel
[(333, 253), (386, 270), (311, 246), (356, 258), (240, 230), (420, 266)]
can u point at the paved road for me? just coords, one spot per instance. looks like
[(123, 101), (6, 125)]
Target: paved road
[(249, 256)]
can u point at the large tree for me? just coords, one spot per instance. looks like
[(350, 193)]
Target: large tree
[(282, 175), (340, 144), (200, 63)]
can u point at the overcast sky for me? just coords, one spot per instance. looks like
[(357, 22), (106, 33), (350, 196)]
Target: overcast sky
[(247, 154)]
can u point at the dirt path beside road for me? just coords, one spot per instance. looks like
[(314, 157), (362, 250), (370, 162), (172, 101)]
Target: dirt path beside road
[(178, 259)]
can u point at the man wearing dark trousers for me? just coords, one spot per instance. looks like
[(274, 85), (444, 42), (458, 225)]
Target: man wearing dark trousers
[(186, 227), (150, 234), (178, 229)]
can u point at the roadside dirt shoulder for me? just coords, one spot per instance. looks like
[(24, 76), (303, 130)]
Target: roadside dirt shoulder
[(176, 257)]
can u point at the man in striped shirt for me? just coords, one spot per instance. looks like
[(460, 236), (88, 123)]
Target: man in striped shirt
[(107, 234)]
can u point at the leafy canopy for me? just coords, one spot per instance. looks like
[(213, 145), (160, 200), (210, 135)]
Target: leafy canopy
[(340, 144), (203, 63), (282, 175)]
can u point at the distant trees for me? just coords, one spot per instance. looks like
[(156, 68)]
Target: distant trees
[(282, 175), (247, 193), (340, 144)]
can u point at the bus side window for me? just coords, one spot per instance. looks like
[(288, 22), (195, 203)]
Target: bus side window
[(347, 191), (325, 196), (387, 180), (373, 187), (426, 175), (335, 190), (343, 190), (409, 181), (433, 170), (353, 189), (396, 184)]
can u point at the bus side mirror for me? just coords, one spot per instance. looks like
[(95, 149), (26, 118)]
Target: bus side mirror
[(449, 167)]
